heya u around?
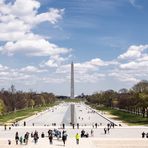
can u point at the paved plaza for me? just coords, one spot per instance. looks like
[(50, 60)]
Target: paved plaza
[(118, 137)]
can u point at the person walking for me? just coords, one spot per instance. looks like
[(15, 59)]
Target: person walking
[(21, 140), (5, 127), (73, 125), (24, 123), (105, 130), (108, 129), (146, 135), (77, 138), (63, 126), (42, 135), (36, 137), (50, 138), (26, 137), (96, 125), (9, 142), (77, 125), (64, 137), (143, 134), (92, 132), (16, 138)]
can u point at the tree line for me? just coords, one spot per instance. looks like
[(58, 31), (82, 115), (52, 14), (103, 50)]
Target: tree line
[(12, 100), (134, 100)]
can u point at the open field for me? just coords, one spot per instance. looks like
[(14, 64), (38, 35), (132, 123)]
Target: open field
[(22, 114), (125, 117)]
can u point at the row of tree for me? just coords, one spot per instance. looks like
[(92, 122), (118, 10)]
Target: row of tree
[(12, 100), (134, 100)]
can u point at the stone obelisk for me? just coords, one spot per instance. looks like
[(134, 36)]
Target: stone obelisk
[(72, 81)]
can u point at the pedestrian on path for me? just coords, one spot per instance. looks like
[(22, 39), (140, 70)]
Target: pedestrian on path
[(24, 123), (105, 130), (36, 137), (77, 138), (42, 135), (108, 129), (16, 138), (50, 138), (146, 135), (143, 134), (9, 142), (92, 132), (5, 127), (26, 137), (63, 126), (96, 125), (77, 125), (21, 140), (73, 125), (64, 137)]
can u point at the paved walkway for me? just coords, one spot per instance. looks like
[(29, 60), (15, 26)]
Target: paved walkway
[(117, 132), (121, 143), (84, 143), (44, 143)]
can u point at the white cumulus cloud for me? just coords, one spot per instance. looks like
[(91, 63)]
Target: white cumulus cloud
[(32, 69), (17, 21), (33, 47), (133, 52)]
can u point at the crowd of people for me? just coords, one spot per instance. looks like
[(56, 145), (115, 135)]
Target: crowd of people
[(58, 134), (34, 136), (109, 126)]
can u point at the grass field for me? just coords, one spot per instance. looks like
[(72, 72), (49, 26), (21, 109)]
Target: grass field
[(129, 118), (22, 114), (77, 100)]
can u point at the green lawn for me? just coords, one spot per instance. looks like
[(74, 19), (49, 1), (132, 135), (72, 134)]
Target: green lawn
[(73, 100), (130, 119), (19, 115)]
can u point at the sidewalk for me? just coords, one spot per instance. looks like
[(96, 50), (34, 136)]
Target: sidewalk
[(121, 143), (84, 143), (44, 143)]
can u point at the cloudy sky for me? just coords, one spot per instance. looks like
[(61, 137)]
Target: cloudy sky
[(106, 39)]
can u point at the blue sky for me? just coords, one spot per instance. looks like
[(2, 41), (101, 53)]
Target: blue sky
[(106, 39)]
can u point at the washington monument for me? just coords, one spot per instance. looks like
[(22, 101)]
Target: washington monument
[(72, 81)]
